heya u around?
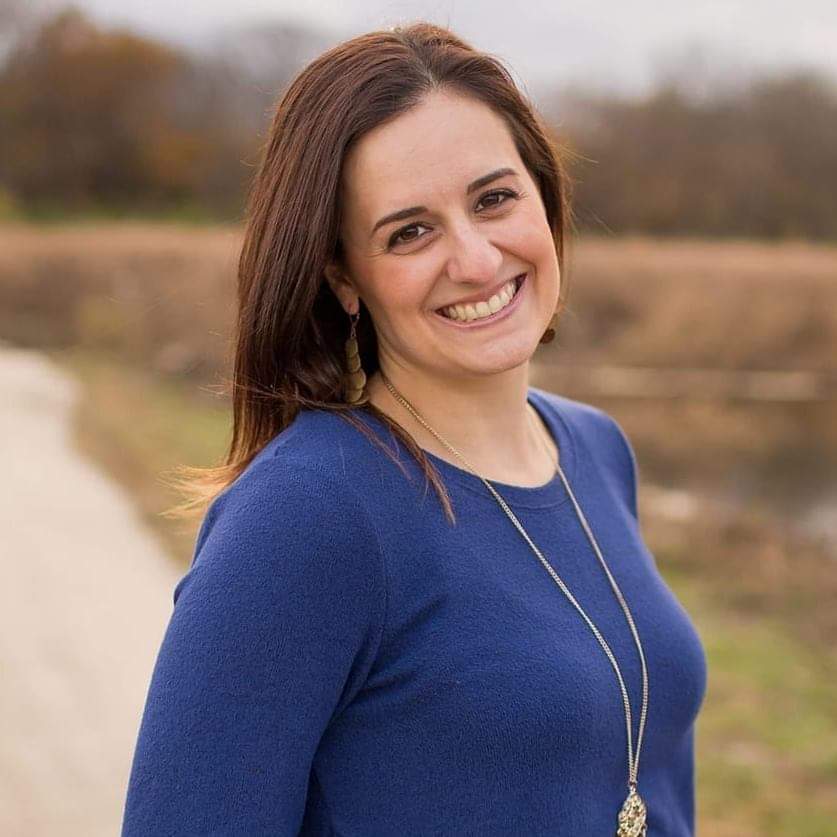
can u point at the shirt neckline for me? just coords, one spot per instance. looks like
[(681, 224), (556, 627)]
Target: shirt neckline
[(548, 495)]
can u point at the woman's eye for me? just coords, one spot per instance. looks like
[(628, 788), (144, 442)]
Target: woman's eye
[(498, 193), (403, 235), (396, 237)]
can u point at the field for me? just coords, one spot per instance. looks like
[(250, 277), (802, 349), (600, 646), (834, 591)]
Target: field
[(718, 358)]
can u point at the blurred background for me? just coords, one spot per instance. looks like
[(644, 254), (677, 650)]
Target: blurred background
[(702, 315)]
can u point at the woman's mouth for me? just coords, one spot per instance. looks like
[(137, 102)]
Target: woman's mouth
[(497, 307)]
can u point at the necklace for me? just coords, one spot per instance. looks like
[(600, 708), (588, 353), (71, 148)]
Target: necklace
[(631, 819)]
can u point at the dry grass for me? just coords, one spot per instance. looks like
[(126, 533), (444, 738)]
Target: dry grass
[(732, 305), (155, 295), (161, 295), (138, 426)]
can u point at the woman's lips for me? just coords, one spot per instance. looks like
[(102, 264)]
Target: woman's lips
[(497, 315)]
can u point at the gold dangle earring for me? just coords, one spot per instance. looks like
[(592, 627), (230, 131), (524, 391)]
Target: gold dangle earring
[(354, 379)]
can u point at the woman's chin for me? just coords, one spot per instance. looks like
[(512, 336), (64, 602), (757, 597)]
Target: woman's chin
[(509, 353)]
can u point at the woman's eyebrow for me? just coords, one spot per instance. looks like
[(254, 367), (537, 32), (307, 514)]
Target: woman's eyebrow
[(401, 214)]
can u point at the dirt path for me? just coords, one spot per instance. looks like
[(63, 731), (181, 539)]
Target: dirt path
[(85, 594)]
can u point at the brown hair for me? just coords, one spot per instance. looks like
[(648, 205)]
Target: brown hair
[(290, 329)]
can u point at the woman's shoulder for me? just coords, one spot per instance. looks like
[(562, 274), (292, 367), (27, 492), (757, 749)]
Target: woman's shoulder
[(582, 414), (322, 442), (602, 437), (588, 420), (297, 486), (311, 457)]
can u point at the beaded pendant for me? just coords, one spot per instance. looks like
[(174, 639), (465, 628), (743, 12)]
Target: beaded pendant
[(632, 816)]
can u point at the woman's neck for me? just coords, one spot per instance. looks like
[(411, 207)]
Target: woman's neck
[(491, 424)]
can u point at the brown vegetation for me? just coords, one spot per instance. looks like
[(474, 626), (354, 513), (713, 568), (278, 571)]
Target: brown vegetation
[(757, 161), (159, 298)]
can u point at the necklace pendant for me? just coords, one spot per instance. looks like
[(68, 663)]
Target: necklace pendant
[(632, 816)]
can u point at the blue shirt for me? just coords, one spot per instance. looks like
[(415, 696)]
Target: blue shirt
[(342, 662)]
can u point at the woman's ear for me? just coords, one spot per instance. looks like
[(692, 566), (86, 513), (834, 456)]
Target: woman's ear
[(342, 287)]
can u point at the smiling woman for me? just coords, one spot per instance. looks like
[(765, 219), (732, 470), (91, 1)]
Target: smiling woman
[(345, 657)]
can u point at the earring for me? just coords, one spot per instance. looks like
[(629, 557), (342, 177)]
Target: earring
[(549, 335), (354, 379)]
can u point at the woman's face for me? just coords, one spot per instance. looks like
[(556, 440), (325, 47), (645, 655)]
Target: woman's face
[(471, 221)]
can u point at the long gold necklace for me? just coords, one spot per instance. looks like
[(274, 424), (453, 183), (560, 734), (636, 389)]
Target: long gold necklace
[(631, 819)]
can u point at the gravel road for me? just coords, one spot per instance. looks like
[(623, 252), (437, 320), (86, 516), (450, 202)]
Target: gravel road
[(85, 595)]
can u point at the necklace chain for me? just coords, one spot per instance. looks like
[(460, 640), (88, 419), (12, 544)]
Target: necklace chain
[(633, 762)]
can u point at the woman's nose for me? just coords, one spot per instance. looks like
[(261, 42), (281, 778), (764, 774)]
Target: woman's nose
[(473, 257)]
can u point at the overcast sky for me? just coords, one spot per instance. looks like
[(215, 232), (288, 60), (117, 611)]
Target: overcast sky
[(611, 43)]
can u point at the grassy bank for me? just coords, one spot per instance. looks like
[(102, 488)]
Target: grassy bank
[(137, 426)]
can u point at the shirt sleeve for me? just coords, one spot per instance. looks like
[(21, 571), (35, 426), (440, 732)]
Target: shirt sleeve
[(621, 459), (274, 629), (630, 469)]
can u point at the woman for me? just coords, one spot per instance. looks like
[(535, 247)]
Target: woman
[(348, 655)]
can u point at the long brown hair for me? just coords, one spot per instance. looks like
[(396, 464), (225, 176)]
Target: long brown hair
[(290, 330)]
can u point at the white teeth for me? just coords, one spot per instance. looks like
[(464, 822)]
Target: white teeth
[(471, 311)]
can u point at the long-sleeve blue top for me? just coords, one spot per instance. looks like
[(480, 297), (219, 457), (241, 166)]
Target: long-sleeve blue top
[(341, 661)]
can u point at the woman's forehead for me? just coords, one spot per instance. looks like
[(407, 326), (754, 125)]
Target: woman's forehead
[(442, 129), (440, 145)]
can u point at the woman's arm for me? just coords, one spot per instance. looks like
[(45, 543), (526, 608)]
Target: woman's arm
[(273, 631)]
